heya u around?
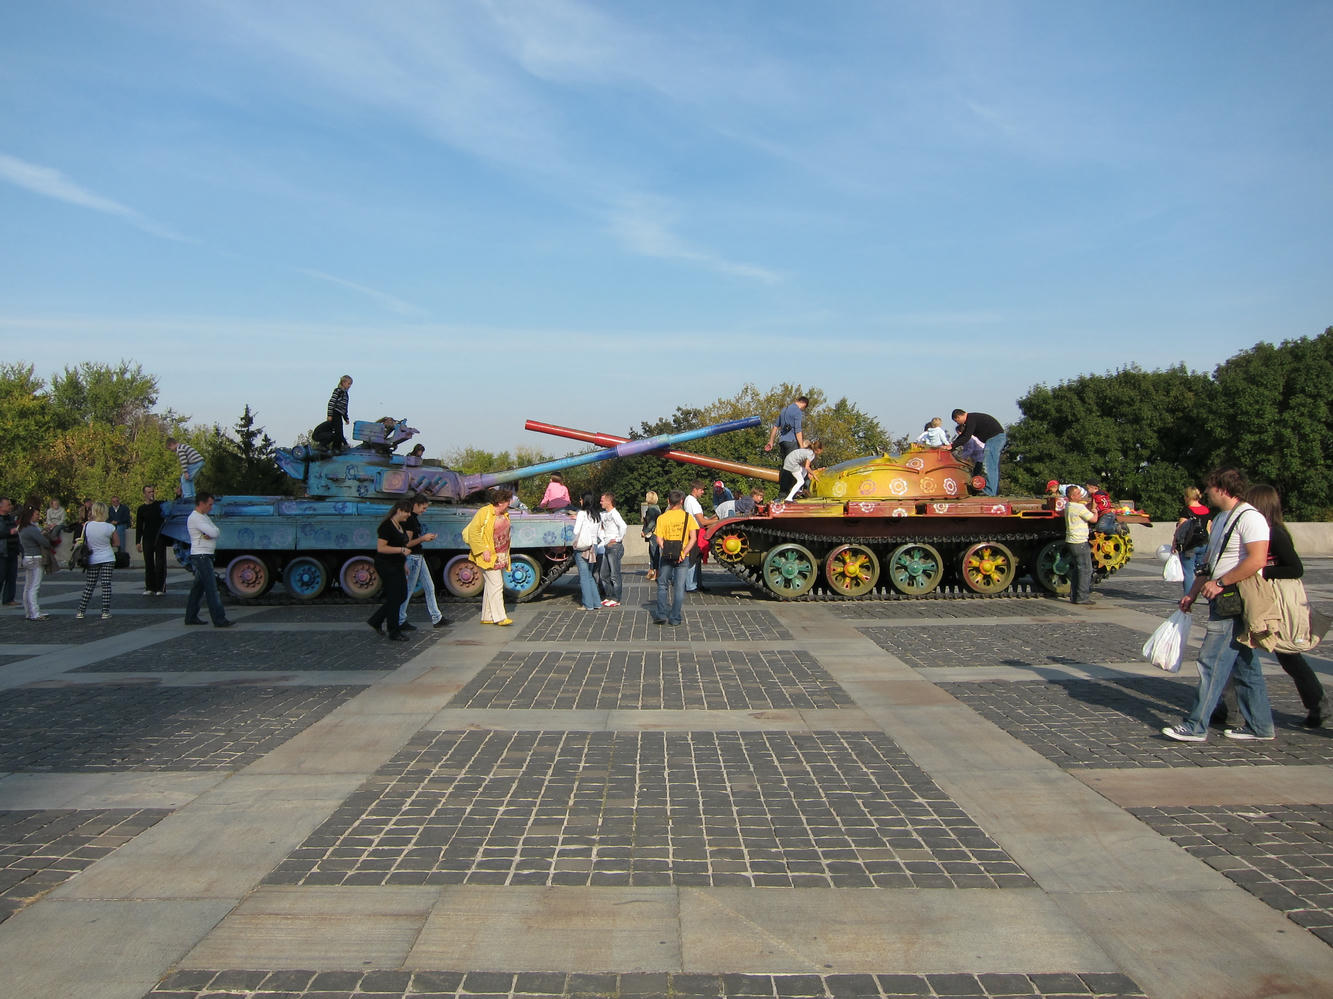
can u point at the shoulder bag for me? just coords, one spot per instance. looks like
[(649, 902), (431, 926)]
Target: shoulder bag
[(1228, 603)]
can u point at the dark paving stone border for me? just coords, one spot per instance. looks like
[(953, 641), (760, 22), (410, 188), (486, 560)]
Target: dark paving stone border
[(1118, 722), (555, 985), (62, 628), (873, 610), (90, 727), (653, 679), (1078, 642), (821, 809), (42, 849), (633, 623), (208, 649), (1281, 854)]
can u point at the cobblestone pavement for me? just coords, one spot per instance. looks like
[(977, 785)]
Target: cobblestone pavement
[(502, 985), (826, 809), (497, 812), (1281, 854), (138, 727), (652, 679), (1010, 645), (1118, 723)]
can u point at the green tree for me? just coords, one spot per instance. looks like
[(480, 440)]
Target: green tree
[(121, 396), (1139, 433), (1273, 419), (27, 425), (244, 464)]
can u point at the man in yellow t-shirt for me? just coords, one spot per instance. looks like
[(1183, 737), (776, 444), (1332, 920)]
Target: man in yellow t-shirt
[(675, 533), (1077, 519)]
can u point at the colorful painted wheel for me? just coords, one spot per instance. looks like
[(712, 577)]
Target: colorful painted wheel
[(988, 567), (523, 577), (1109, 551), (359, 579), (247, 577), (790, 570), (1053, 568), (916, 569), (851, 570), (462, 577), (305, 577), (730, 546)]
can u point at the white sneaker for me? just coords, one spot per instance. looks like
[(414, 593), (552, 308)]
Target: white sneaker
[(147, 593), (106, 617)]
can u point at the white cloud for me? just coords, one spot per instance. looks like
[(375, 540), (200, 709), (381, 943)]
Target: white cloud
[(392, 303), (51, 183), (645, 226)]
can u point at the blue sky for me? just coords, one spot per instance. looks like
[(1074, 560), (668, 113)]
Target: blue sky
[(590, 213)]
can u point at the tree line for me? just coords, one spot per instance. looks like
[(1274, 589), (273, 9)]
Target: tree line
[(92, 431)]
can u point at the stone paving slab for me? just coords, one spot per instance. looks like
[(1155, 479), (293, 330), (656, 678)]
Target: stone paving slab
[(628, 623), (947, 610), (62, 628), (200, 650), (142, 727), (548, 985), (1282, 854), (1118, 723), (667, 679), (42, 849), (637, 809), (1011, 644)]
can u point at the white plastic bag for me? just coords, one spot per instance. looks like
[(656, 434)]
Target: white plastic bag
[(1164, 552), (1166, 645), (1172, 571)]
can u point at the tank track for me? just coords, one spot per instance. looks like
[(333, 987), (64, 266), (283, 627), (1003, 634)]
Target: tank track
[(333, 596), (1019, 589)]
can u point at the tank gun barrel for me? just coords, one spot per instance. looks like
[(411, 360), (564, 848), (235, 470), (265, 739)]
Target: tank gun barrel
[(623, 449), (688, 457)]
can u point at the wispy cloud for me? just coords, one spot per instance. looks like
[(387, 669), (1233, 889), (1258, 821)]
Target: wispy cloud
[(646, 226), (390, 302), (51, 183)]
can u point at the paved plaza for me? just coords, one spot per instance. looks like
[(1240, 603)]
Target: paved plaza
[(937, 798)]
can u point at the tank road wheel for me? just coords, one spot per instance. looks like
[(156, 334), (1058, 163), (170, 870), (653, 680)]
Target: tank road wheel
[(359, 579), (462, 578), (988, 567), (248, 577), (1109, 552), (790, 570), (523, 577), (730, 546), (1052, 570), (305, 577), (851, 570), (916, 569)]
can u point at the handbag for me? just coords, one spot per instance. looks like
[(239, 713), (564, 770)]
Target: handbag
[(122, 560), (672, 550), (78, 555), (1229, 602)]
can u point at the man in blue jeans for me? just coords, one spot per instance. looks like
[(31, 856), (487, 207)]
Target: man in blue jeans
[(986, 429), (203, 547), (418, 573), (675, 534), (1237, 549)]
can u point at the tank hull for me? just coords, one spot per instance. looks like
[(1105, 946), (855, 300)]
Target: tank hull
[(263, 537), (876, 549)]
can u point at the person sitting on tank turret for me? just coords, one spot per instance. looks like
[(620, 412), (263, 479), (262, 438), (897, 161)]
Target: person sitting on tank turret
[(933, 435), (556, 496)]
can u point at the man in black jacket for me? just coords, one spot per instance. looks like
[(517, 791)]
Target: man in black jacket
[(149, 540), (986, 429)]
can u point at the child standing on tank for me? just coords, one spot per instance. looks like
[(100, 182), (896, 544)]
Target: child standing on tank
[(800, 465)]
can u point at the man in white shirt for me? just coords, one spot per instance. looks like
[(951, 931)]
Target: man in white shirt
[(611, 544), (1077, 519), (203, 546), (694, 564), (1237, 549)]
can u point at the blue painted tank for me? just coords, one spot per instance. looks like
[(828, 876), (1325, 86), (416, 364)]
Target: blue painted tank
[(325, 541)]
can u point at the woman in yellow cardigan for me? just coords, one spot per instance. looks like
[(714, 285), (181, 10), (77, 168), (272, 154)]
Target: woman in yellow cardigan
[(487, 537)]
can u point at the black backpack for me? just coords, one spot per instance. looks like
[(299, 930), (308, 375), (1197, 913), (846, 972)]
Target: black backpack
[(1193, 533)]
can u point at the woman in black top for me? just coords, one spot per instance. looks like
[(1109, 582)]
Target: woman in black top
[(391, 552), (1284, 563)]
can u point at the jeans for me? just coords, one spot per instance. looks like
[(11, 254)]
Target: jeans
[(205, 588), (1080, 572), (1193, 562), (609, 573), (32, 584), (587, 582), (419, 574), (785, 478), (990, 458), (188, 478), (694, 569), (671, 578), (1220, 654), (121, 531), (654, 552)]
